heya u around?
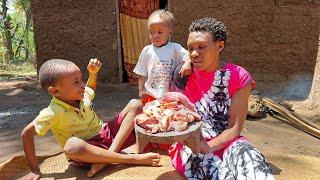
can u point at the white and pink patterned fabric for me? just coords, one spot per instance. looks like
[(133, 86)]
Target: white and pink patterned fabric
[(211, 93)]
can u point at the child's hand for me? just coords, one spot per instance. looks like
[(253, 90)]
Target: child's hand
[(94, 65), (185, 70), (142, 93)]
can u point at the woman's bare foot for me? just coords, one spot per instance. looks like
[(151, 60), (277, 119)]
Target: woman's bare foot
[(95, 168), (151, 159)]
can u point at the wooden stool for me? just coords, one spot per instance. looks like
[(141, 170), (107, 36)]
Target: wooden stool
[(190, 136)]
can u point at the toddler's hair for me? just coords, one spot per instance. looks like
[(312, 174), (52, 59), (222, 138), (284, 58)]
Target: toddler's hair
[(216, 28), (165, 15), (51, 70)]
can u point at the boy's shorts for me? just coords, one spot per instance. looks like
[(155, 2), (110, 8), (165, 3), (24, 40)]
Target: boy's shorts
[(147, 98), (105, 138)]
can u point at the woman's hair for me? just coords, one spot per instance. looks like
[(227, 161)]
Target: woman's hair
[(51, 70), (216, 28), (165, 15)]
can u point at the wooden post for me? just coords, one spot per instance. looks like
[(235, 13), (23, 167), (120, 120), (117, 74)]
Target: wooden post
[(119, 45)]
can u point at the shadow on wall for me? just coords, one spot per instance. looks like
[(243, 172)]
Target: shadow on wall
[(276, 41)]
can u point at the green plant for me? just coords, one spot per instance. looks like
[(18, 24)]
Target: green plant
[(19, 35)]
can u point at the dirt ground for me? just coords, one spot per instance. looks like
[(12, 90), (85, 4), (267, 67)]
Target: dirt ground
[(21, 100)]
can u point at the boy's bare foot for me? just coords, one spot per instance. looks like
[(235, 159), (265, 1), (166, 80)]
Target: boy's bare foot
[(151, 159), (95, 168), (31, 176)]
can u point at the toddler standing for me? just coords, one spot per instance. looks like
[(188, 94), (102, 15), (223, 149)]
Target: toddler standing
[(158, 60)]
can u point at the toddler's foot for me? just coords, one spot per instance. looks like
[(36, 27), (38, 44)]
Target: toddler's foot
[(151, 159), (95, 168)]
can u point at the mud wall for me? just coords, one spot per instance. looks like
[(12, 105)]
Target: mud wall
[(276, 40), (77, 31)]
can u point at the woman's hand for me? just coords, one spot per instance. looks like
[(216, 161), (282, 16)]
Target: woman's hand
[(94, 66), (204, 146), (176, 96)]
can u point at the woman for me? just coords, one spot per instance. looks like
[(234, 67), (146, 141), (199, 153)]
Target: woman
[(219, 93)]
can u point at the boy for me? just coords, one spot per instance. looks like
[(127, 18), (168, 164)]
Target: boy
[(76, 127)]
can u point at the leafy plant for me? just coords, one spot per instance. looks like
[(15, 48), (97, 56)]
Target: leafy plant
[(20, 33)]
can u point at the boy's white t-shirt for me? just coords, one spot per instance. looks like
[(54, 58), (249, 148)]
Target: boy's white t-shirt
[(157, 65)]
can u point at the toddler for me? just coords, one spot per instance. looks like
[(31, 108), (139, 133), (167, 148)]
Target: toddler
[(158, 60)]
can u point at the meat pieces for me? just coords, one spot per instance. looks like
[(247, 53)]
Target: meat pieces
[(162, 116)]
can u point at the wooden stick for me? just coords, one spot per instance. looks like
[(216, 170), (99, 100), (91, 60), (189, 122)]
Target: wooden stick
[(310, 123), (287, 114)]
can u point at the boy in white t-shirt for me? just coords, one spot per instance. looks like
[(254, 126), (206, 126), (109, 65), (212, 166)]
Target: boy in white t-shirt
[(158, 60)]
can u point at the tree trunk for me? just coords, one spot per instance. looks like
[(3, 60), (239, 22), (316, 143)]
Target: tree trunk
[(5, 54), (314, 96), (27, 11), (7, 38)]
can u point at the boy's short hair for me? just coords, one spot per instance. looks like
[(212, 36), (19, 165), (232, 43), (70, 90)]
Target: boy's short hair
[(165, 15), (216, 28), (51, 70)]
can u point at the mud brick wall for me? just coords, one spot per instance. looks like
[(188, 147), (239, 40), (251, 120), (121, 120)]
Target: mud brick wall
[(276, 40), (77, 31)]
